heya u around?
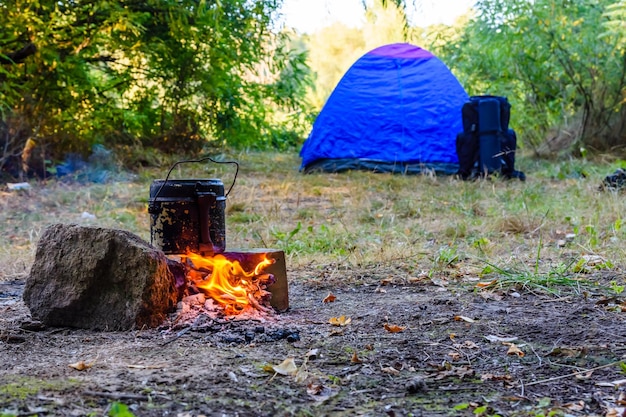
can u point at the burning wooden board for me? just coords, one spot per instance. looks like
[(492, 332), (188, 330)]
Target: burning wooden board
[(240, 281)]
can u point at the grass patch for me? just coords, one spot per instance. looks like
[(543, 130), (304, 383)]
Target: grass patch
[(19, 388), (358, 218), (554, 281)]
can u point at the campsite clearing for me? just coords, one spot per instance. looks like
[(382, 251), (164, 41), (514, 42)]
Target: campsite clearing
[(451, 298)]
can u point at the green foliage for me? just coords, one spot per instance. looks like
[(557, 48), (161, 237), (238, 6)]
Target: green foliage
[(551, 282), (616, 288), (324, 239), (169, 74), (119, 410), (462, 406), (284, 239), (446, 256), (614, 25), (565, 82)]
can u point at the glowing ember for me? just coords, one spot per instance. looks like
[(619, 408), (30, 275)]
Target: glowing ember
[(228, 283)]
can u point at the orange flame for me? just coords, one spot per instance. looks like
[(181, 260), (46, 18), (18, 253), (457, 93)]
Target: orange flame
[(228, 283)]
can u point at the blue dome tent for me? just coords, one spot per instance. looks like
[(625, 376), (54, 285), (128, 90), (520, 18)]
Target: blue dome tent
[(397, 109)]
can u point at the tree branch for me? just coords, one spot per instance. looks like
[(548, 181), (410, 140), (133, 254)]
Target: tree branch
[(18, 56)]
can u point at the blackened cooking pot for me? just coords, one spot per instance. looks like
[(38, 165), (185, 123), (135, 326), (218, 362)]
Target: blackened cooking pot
[(188, 215)]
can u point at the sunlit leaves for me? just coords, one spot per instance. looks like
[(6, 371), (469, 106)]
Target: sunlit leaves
[(167, 73), (614, 26)]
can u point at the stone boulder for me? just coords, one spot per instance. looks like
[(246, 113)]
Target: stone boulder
[(100, 279)]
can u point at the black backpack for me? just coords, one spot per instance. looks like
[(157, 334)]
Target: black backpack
[(487, 145)]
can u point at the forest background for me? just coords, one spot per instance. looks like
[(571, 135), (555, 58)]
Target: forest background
[(184, 77)]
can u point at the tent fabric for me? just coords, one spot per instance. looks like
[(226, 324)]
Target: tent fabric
[(397, 109)]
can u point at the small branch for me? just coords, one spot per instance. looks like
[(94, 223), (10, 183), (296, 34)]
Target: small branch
[(182, 332), (117, 396), (178, 336), (538, 357), (556, 378), (18, 56)]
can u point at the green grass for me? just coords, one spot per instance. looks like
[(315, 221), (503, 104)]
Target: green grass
[(433, 224), (21, 387)]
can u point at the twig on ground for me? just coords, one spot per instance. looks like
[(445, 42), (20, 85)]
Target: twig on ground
[(182, 332), (566, 298), (556, 378), (538, 357), (178, 336), (117, 395)]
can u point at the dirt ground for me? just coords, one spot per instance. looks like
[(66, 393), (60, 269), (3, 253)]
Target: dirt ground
[(400, 345)]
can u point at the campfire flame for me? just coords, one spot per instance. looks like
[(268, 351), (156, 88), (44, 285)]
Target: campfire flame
[(228, 283)]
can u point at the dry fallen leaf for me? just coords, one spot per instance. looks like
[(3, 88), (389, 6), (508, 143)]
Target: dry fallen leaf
[(420, 278), (612, 384), (490, 295), (329, 298), (287, 367), (494, 339), (568, 352), (468, 344), (584, 375), (616, 412), (493, 377), (355, 358), (81, 365), (484, 284), (314, 388), (575, 406), (301, 376), (464, 318), (514, 350), (312, 354), (439, 282), (390, 370), (320, 392), (392, 328), (340, 321), (453, 371), (455, 356)]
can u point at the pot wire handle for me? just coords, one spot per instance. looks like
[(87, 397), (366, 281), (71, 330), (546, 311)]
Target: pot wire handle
[(207, 158)]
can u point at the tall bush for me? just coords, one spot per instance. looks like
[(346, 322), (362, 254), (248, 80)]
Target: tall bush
[(167, 73)]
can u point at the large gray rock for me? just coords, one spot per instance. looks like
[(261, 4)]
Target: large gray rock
[(100, 279)]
